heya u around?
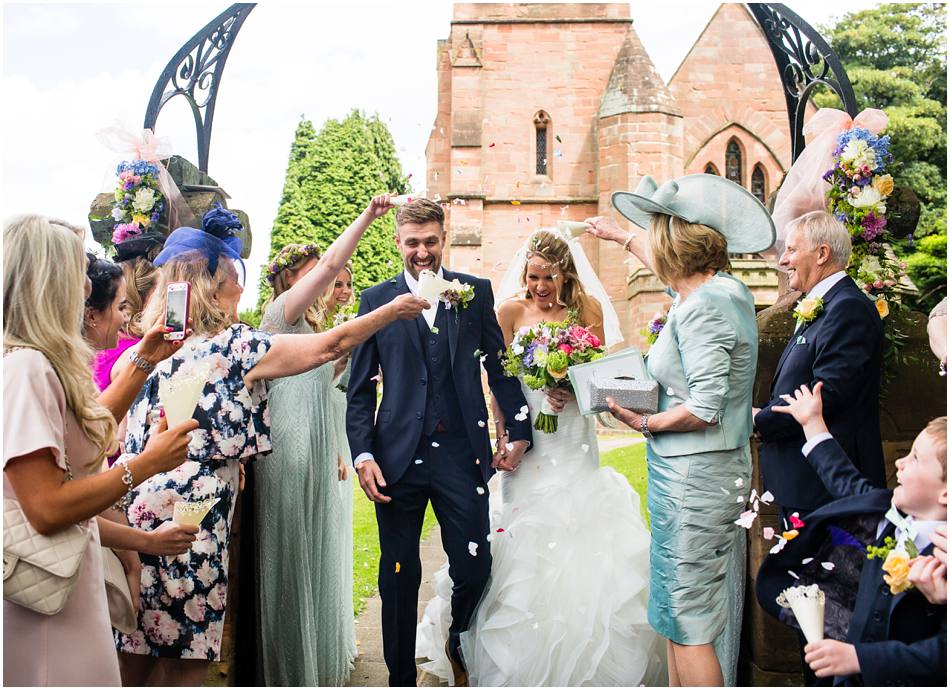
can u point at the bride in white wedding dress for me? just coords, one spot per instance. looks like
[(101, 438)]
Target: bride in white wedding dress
[(566, 604)]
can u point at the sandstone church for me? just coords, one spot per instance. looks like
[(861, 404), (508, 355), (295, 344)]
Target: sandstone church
[(544, 110)]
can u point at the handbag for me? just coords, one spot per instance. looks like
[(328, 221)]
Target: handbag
[(121, 610), (39, 571)]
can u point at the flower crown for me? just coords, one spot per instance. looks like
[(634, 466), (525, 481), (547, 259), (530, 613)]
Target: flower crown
[(289, 258)]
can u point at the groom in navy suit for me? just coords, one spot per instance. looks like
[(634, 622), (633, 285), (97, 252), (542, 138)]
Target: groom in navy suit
[(429, 439), (839, 340)]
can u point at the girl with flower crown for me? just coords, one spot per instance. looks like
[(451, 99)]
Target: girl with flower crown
[(304, 498)]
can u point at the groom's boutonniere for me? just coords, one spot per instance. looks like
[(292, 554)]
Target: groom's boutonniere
[(808, 309), (458, 296)]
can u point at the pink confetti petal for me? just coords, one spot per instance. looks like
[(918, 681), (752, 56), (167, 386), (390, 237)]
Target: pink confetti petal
[(767, 497), (768, 533), (746, 519)]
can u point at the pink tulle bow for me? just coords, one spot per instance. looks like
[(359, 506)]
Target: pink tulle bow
[(804, 189), (148, 147)]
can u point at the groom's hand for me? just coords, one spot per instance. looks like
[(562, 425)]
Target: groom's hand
[(515, 455), (371, 479)]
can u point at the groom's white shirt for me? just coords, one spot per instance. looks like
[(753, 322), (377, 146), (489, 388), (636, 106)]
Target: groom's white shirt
[(429, 315)]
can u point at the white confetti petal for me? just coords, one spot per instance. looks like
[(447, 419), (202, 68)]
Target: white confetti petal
[(738, 482), (754, 495), (767, 497), (479, 490), (725, 491), (435, 444), (473, 548), (585, 447), (481, 424), (806, 561), (740, 499), (828, 565), (418, 461), (552, 544), (670, 392), (521, 416), (534, 626), (524, 408), (553, 462), (792, 573), (782, 541)]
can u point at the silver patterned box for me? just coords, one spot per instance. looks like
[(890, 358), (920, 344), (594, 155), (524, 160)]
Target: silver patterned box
[(630, 393)]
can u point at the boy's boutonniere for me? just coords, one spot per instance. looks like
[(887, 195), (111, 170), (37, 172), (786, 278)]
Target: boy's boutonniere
[(808, 309), (897, 560)]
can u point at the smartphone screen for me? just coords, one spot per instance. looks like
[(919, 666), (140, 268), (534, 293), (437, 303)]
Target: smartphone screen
[(176, 310)]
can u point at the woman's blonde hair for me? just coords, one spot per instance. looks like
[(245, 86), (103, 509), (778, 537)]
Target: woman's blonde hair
[(556, 252), (140, 278), (680, 249), (207, 317), (323, 303), (44, 270), (316, 312)]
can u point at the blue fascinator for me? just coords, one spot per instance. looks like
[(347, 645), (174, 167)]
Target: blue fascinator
[(216, 238)]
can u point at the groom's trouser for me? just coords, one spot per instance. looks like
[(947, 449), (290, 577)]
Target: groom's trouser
[(449, 477)]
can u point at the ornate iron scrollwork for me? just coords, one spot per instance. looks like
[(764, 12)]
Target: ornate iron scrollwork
[(195, 73), (804, 60)]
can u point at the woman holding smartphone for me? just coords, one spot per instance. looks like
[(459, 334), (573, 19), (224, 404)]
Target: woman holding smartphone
[(183, 599)]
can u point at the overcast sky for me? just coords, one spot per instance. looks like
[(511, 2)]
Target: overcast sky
[(71, 69)]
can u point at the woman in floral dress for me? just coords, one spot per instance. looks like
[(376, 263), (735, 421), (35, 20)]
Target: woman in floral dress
[(183, 599)]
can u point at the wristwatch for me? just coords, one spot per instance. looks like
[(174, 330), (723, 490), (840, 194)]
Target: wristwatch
[(644, 426), (140, 362)]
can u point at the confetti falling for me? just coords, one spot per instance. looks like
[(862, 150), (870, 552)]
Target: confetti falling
[(828, 565), (563, 210), (779, 546), (585, 447), (477, 461), (435, 444), (481, 424), (767, 497), (418, 461), (480, 491), (796, 521), (552, 545), (746, 519), (398, 567), (740, 499), (790, 534), (768, 533), (739, 483), (806, 561), (725, 491), (792, 573), (521, 416), (524, 408), (473, 548)]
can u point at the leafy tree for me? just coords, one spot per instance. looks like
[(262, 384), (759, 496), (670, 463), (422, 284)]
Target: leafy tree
[(895, 55), (331, 176)]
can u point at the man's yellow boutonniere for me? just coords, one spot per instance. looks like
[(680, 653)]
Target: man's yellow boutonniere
[(882, 308), (808, 309)]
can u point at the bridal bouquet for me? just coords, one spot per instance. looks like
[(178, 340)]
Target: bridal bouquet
[(542, 355)]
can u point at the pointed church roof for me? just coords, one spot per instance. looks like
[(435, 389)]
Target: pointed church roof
[(634, 85)]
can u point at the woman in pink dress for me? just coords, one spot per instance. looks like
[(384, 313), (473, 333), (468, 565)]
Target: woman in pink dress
[(57, 434)]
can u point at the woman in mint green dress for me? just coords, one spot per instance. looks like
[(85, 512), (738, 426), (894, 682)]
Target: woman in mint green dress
[(303, 494), (704, 359)]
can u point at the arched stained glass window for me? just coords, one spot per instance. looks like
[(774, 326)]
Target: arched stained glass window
[(733, 162), (758, 183), (542, 130), (711, 169)]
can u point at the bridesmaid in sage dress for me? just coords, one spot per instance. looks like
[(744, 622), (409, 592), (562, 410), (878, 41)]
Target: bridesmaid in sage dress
[(303, 495), (698, 460)]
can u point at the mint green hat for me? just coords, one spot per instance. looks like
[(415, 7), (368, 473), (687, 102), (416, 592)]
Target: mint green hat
[(707, 199)]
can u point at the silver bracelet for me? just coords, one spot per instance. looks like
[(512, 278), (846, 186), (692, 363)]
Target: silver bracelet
[(122, 505), (645, 426), (140, 362)]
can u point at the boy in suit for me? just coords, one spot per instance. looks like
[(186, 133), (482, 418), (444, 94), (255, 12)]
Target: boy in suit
[(894, 636)]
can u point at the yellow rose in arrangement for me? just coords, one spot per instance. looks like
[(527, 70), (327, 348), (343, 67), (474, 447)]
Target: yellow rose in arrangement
[(884, 184), (897, 568), (143, 221), (882, 309)]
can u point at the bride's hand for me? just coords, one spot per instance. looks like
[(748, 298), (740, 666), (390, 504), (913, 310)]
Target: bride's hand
[(501, 451), (558, 398)]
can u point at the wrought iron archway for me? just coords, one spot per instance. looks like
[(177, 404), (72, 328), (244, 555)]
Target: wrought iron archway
[(805, 61), (195, 73)]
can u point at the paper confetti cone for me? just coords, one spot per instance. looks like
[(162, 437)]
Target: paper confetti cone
[(192, 512), (575, 228), (403, 199), (179, 394), (432, 286), (808, 605)]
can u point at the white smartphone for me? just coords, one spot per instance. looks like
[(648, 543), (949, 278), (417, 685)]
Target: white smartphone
[(177, 302)]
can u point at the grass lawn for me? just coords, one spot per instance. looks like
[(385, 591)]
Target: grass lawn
[(629, 461)]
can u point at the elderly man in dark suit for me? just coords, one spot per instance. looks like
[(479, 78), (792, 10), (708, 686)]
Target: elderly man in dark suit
[(839, 340)]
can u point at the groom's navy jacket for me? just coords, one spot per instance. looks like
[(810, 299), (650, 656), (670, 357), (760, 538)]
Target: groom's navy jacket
[(899, 639), (415, 394), (842, 347)]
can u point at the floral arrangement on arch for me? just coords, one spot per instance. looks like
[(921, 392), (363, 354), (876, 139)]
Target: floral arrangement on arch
[(138, 201), (861, 184)]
